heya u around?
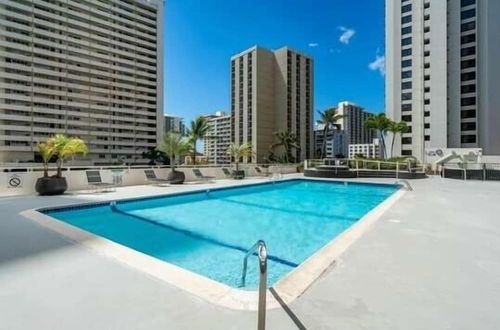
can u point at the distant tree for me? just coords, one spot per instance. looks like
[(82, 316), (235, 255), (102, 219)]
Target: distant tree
[(156, 156), (288, 141)]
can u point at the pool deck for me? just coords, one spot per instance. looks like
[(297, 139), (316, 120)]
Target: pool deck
[(432, 261)]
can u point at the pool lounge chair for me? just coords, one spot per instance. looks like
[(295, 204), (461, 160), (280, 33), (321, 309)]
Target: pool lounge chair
[(153, 179), (202, 178), (94, 181)]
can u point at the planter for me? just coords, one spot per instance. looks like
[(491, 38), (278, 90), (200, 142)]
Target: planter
[(48, 186), (176, 177), (238, 175)]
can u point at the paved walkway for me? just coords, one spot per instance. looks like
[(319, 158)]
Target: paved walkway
[(431, 262)]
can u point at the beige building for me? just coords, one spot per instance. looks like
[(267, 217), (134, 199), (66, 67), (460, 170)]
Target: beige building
[(218, 138), (272, 91), (353, 123), (88, 68)]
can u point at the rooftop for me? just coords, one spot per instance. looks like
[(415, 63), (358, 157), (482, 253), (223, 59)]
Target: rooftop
[(429, 262)]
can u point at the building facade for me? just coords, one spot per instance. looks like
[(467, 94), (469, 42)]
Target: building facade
[(90, 68), (218, 138), (272, 91), (335, 145), (353, 123), (365, 150), (443, 74), (174, 124)]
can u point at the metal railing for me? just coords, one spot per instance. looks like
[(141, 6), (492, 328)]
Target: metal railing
[(367, 165), (405, 183), (472, 171), (261, 250)]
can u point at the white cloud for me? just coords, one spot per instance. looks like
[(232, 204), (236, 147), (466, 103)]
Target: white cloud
[(346, 35), (313, 44), (378, 64)]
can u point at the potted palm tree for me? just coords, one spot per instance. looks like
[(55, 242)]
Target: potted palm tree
[(174, 145), (61, 147), (237, 151), (197, 131)]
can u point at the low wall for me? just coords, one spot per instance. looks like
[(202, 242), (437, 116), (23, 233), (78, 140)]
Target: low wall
[(21, 181)]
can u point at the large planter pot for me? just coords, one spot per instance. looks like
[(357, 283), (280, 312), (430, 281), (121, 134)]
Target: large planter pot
[(238, 175), (176, 177), (47, 186)]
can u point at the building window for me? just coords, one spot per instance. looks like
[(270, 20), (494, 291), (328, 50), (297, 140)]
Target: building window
[(468, 76), (427, 113), (406, 152), (427, 101), (406, 41), (466, 3), (468, 38), (406, 30), (468, 139), (468, 51), (406, 8), (468, 64), (406, 52), (406, 140), (405, 63), (468, 13), (405, 74), (406, 107), (406, 19), (468, 101), (468, 26), (406, 96), (427, 125), (468, 126), (468, 114), (468, 89), (406, 118), (406, 85)]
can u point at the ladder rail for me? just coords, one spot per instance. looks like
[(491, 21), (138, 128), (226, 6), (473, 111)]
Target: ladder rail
[(406, 183)]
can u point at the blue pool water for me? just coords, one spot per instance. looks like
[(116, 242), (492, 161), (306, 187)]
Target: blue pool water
[(207, 233)]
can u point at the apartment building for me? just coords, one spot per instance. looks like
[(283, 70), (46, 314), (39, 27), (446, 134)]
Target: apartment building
[(272, 91), (86, 68), (353, 123), (443, 74), (218, 138), (174, 124), (365, 150), (335, 145)]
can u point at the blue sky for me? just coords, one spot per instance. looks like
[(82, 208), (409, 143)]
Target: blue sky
[(343, 36)]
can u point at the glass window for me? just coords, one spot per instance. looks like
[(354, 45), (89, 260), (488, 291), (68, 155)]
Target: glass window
[(406, 140), (468, 114), (406, 8), (468, 64), (468, 51), (468, 26), (405, 63), (406, 85), (468, 139), (406, 96), (406, 152), (406, 30), (468, 89), (405, 74), (467, 2), (468, 126), (406, 19), (406, 107), (427, 138), (468, 38), (406, 41), (468, 101), (406, 52), (468, 76), (468, 13)]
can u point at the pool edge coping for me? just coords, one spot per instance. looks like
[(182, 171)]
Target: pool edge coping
[(289, 288)]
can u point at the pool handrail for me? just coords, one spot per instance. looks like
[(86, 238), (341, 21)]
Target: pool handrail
[(261, 250)]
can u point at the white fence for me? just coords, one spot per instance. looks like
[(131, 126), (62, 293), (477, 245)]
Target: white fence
[(21, 180)]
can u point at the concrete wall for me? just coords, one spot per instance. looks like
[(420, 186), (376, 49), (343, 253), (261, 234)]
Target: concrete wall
[(77, 179)]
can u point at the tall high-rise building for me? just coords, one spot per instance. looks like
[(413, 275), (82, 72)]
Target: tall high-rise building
[(443, 73), (90, 68), (218, 138), (353, 123), (174, 124), (272, 91)]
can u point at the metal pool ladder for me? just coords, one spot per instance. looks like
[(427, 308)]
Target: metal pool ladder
[(406, 184), (261, 250)]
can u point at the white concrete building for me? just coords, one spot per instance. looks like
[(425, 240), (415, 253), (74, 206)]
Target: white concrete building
[(218, 138), (366, 150), (89, 68), (443, 73), (336, 142), (272, 91)]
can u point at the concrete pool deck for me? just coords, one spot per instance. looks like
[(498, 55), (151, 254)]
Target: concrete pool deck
[(432, 261)]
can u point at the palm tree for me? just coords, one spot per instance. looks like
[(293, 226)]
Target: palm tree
[(395, 128), (174, 145), (198, 130), (66, 147), (329, 118), (238, 151), (379, 123), (47, 151), (287, 140)]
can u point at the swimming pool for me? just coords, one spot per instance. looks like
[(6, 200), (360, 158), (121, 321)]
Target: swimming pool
[(209, 231)]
